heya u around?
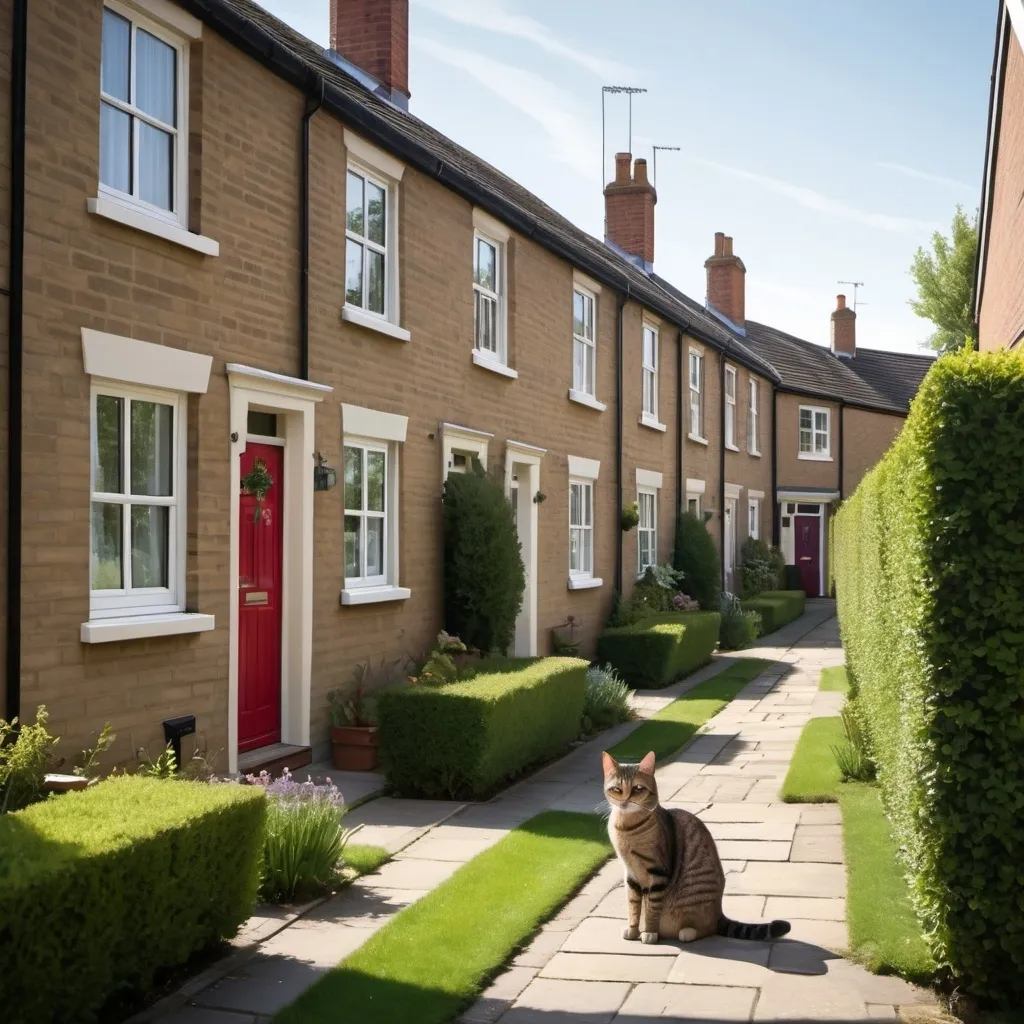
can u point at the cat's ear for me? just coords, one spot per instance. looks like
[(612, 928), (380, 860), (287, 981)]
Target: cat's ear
[(608, 763), (647, 764)]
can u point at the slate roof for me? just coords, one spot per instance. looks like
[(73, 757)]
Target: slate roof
[(885, 380)]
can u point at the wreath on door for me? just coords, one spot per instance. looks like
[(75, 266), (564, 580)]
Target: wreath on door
[(257, 482)]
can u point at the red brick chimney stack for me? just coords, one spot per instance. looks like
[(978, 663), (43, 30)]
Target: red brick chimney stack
[(844, 330), (629, 208), (374, 35), (726, 281)]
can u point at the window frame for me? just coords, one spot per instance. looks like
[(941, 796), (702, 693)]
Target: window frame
[(386, 515), (649, 371), (579, 387), (753, 416), (730, 408), (814, 454), (142, 601), (587, 486), (696, 390), (178, 215), (754, 518), (389, 249), (695, 500), (500, 357), (652, 529)]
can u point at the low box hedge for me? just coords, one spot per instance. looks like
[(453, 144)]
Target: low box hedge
[(464, 739), (657, 650), (777, 608), (101, 889), (929, 571)]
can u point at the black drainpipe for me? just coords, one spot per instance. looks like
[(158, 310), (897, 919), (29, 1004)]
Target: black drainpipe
[(623, 299), (312, 106), (15, 338), (721, 456), (776, 526), (679, 425), (841, 443)]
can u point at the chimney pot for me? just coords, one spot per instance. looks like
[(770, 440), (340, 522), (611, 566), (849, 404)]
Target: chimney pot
[(728, 245), (622, 162), (719, 243), (374, 35), (640, 171), (629, 209), (840, 302), (843, 329), (726, 281)]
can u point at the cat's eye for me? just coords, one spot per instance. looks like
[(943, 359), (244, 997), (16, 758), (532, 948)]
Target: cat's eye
[(615, 789), (637, 789)]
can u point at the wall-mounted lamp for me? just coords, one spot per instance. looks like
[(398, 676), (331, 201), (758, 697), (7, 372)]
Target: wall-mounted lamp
[(324, 478)]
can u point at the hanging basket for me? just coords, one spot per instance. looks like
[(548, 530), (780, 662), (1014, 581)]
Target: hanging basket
[(257, 482)]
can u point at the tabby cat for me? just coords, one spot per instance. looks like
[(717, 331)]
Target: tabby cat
[(673, 872)]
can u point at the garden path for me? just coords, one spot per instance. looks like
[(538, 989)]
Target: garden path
[(781, 861)]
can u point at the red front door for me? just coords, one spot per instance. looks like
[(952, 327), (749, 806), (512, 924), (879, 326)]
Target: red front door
[(808, 552), (259, 604)]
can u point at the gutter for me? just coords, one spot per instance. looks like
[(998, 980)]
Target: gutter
[(313, 104), (15, 337), (776, 527), (622, 300)]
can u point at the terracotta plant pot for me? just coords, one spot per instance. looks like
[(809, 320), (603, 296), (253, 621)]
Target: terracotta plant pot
[(355, 748)]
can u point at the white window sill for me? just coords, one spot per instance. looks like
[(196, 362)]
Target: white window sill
[(754, 454), (585, 582), (582, 398), (360, 317), (697, 439), (731, 447), (138, 627), (647, 420), (814, 457), (374, 595), (487, 362), (142, 221)]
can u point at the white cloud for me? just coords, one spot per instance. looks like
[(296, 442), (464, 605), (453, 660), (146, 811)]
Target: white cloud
[(812, 200), (492, 16), (567, 124), (911, 172)]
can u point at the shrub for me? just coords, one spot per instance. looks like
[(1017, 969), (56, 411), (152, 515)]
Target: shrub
[(777, 608), (25, 757), (930, 583), (697, 558), (659, 649), (606, 701), (464, 739), (739, 628), (101, 889), (763, 567), (852, 756), (484, 579), (654, 590)]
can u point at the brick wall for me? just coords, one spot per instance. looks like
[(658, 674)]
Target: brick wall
[(867, 436), (6, 8)]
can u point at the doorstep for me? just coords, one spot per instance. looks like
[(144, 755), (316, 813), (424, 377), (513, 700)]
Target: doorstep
[(274, 758)]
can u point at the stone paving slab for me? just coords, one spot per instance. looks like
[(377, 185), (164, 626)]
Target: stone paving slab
[(690, 1003)]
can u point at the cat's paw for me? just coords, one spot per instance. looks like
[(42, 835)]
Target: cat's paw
[(648, 938), (630, 934), (687, 934)]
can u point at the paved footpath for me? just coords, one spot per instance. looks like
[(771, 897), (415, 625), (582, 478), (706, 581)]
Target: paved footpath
[(781, 860)]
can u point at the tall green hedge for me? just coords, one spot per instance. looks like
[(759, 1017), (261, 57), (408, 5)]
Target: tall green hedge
[(929, 572), (102, 888), (777, 608), (655, 651), (464, 739)]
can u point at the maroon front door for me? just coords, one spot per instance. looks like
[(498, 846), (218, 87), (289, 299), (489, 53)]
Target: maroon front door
[(259, 604), (808, 552)]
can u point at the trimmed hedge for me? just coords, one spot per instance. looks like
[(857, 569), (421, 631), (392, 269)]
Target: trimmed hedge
[(777, 608), (464, 739), (101, 889), (657, 650), (930, 583)]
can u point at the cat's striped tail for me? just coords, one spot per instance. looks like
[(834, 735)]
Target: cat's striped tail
[(757, 932)]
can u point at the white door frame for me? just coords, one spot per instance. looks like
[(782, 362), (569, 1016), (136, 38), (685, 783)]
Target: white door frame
[(732, 498), (824, 502), (295, 402), (523, 460)]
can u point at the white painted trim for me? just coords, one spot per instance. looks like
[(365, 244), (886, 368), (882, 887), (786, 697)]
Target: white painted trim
[(1015, 9), (696, 439), (114, 357), (755, 495), (374, 595), (170, 16), (487, 362), (381, 426), (733, 490), (526, 452), (275, 383), (731, 448), (584, 582), (811, 457), (582, 398), (649, 479), (808, 497), (275, 442), (462, 439), (467, 433), (367, 153), (372, 322), (133, 217), (488, 225), (646, 420), (695, 486), (137, 627), (529, 458), (294, 402), (587, 284), (585, 469)]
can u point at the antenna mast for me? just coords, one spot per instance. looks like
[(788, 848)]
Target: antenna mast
[(655, 160), (630, 91), (856, 285)]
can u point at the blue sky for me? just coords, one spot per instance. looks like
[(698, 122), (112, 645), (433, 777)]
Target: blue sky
[(830, 139)]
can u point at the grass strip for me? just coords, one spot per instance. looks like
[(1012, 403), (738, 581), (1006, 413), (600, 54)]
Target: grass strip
[(814, 776), (435, 956), (363, 859), (884, 931), (672, 727), (835, 680)]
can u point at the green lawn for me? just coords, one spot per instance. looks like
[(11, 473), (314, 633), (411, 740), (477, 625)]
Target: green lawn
[(835, 679), (884, 932), (363, 859), (673, 726), (434, 957), (813, 776)]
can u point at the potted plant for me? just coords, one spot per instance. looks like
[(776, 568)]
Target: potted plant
[(355, 742), (630, 517)]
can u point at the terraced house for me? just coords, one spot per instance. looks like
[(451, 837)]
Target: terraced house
[(239, 259)]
